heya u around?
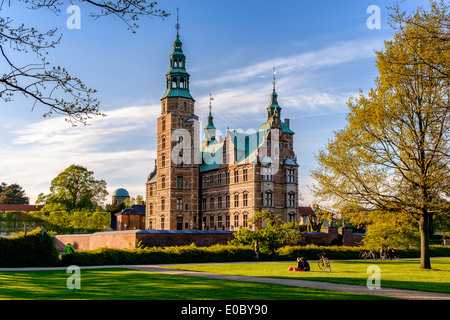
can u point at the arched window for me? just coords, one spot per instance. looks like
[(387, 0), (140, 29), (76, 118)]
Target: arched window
[(163, 160), (236, 200), (236, 220), (163, 124), (163, 181), (174, 83), (163, 204), (245, 199), (236, 175), (163, 142), (150, 208)]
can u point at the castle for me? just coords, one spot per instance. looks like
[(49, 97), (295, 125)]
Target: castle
[(219, 182)]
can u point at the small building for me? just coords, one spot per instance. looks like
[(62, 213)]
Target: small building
[(120, 195), (131, 218)]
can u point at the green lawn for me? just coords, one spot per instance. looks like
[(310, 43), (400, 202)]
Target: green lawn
[(124, 284), (402, 274)]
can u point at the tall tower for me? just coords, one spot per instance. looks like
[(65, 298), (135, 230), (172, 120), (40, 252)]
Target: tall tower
[(174, 184)]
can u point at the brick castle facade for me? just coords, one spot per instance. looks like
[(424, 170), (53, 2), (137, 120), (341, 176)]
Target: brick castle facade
[(217, 183)]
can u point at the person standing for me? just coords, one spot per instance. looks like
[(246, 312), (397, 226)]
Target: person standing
[(256, 250), (69, 251)]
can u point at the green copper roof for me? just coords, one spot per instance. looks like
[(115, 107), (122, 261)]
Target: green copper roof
[(284, 127), (177, 93), (273, 104)]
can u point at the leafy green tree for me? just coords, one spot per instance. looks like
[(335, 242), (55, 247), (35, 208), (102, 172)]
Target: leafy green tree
[(393, 156), (270, 232), (74, 189), (12, 194)]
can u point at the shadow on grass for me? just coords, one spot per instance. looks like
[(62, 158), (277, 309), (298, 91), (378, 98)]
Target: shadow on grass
[(119, 284)]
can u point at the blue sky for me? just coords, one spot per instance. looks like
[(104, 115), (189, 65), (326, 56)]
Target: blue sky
[(323, 52)]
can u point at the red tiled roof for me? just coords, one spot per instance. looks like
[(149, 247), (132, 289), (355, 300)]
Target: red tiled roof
[(306, 211), (20, 207)]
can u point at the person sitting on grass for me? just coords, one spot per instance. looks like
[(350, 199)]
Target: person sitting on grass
[(302, 264)]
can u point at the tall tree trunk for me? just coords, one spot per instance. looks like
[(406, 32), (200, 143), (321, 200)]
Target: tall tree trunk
[(424, 226)]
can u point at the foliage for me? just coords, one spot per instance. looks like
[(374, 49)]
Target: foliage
[(32, 250), (393, 156), (74, 189), (54, 87), (225, 253), (57, 221), (392, 229), (272, 233), (12, 194)]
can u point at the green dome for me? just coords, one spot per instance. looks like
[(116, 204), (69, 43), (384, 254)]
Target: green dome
[(121, 193)]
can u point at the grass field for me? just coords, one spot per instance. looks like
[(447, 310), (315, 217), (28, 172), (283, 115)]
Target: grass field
[(125, 284), (401, 274)]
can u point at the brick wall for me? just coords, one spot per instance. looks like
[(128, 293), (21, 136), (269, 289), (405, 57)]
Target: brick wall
[(148, 238)]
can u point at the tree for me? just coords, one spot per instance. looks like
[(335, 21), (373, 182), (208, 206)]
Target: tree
[(393, 154), (13, 194), (54, 87), (74, 189), (270, 232)]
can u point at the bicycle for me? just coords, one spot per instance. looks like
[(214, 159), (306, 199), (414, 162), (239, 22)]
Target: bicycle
[(364, 255), (324, 263)]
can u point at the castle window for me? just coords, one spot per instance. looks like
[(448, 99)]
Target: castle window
[(163, 160), (219, 222), (204, 203), (245, 174), (236, 175), (179, 181), (163, 204), (245, 199), (227, 201), (291, 200), (184, 106), (227, 177), (236, 220), (290, 175), (219, 179), (150, 208), (204, 181), (163, 124), (236, 200), (179, 204), (245, 218), (174, 83), (163, 142), (151, 190), (266, 173), (211, 180), (163, 181), (162, 223), (267, 199), (180, 123), (227, 221), (211, 222), (211, 203), (291, 216), (219, 202)]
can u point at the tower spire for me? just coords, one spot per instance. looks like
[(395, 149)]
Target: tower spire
[(177, 26), (274, 73)]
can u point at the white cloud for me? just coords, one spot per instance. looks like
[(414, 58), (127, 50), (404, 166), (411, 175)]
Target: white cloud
[(40, 151)]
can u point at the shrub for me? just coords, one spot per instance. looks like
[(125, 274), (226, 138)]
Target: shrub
[(31, 250)]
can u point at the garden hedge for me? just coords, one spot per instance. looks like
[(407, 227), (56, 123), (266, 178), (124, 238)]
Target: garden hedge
[(31, 250), (221, 253)]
